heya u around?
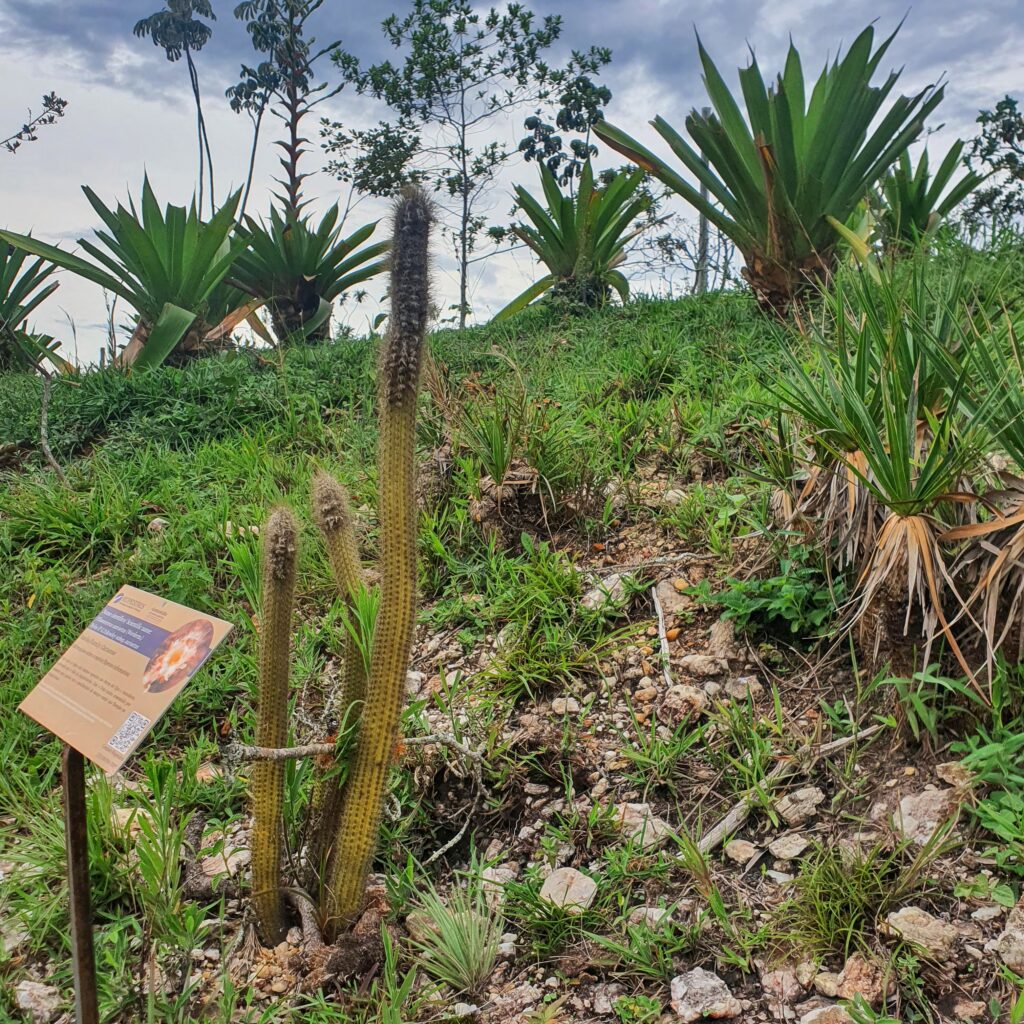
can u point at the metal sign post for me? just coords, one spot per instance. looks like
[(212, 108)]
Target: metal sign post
[(77, 841)]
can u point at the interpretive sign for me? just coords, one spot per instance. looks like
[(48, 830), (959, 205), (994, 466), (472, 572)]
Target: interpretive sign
[(109, 688)]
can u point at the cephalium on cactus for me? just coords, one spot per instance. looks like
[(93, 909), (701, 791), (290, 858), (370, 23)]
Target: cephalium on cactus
[(345, 817)]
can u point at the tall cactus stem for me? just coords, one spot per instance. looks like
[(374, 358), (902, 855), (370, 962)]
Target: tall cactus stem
[(280, 547), (398, 384)]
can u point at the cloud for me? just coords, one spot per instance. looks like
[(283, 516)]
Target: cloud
[(131, 109)]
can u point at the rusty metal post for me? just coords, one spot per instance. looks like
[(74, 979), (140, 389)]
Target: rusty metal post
[(77, 841)]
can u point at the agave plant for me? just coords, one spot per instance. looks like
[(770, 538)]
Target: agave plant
[(913, 203), (885, 406), (992, 560), (581, 240), (300, 269), (166, 264), (22, 289), (774, 177)]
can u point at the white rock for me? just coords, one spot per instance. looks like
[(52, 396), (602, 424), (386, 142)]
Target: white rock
[(827, 1015), (702, 665), (699, 993), (680, 703), (609, 594), (229, 861), (13, 935), (569, 889), (740, 851), (789, 846), (827, 984), (640, 823), (565, 706), (493, 880), (743, 687), (924, 930), (921, 814), (672, 601), (781, 986), (722, 640), (992, 912), (1010, 943), (414, 682), (801, 805), (41, 1002)]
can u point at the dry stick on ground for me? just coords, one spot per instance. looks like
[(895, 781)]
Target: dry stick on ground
[(802, 760), (44, 430), (244, 752), (662, 637)]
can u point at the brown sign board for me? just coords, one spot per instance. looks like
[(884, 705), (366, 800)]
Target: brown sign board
[(108, 689)]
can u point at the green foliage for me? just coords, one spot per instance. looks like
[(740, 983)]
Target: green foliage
[(799, 599), (778, 174), (166, 264), (581, 239), (22, 289), (913, 203), (459, 936), (300, 270)]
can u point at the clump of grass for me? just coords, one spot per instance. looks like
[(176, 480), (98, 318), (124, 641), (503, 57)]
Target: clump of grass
[(458, 945), (843, 892)]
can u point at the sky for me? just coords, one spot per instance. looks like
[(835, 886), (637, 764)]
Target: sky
[(130, 111)]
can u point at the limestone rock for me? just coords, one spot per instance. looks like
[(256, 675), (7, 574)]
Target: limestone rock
[(743, 687), (680, 703), (789, 846), (740, 851), (569, 889), (827, 984), (608, 595), (860, 977), (700, 994), (781, 986), (923, 929), (800, 806), (827, 1015), (1010, 943), (639, 822), (921, 814), (649, 917), (702, 665), (671, 597), (41, 1002)]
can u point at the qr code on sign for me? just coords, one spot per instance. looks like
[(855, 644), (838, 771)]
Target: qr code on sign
[(124, 739)]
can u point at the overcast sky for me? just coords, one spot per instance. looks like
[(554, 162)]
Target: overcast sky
[(130, 111)]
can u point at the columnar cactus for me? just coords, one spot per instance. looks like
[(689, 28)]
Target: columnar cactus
[(280, 545), (332, 512), (399, 375)]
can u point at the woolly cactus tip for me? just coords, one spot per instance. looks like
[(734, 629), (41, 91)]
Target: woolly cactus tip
[(281, 541), (410, 295), (331, 509)]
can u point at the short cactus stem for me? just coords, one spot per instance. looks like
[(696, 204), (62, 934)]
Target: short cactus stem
[(280, 548)]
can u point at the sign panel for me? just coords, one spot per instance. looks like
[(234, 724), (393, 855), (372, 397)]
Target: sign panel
[(109, 688)]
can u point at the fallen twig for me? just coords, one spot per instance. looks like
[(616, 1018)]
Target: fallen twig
[(245, 752), (662, 637), (803, 759)]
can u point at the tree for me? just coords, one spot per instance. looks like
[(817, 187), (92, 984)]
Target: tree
[(581, 106), (53, 110), (282, 83), (180, 35), (999, 148), (460, 70)]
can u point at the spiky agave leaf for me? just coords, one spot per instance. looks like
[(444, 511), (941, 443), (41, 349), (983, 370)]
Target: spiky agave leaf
[(776, 175), (581, 239)]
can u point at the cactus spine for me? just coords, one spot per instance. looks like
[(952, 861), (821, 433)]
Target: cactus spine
[(280, 545), (332, 513), (398, 388)]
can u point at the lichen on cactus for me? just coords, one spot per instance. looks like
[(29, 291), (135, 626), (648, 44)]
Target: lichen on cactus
[(279, 557), (398, 380), (332, 512)]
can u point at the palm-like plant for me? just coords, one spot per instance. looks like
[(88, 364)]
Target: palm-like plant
[(300, 269), (913, 203), (774, 177), (168, 265), (581, 240), (22, 289)]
